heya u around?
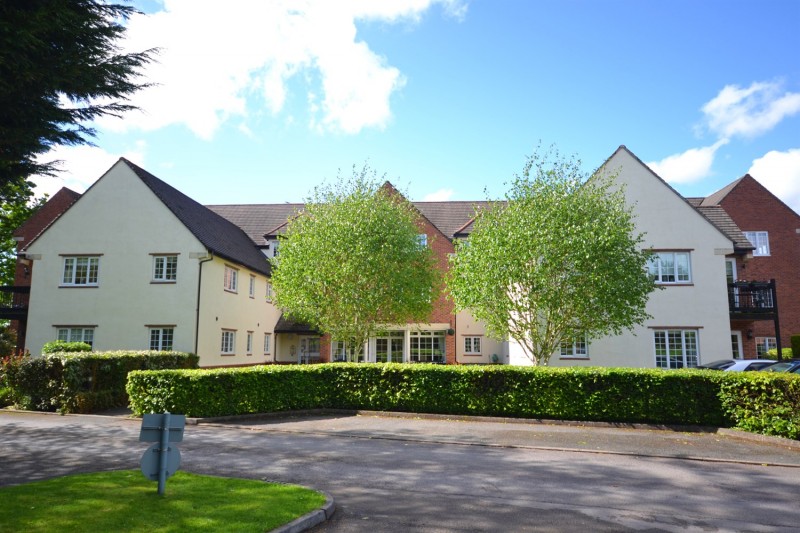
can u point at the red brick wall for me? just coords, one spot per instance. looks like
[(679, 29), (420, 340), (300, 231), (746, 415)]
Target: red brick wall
[(754, 208), (443, 308)]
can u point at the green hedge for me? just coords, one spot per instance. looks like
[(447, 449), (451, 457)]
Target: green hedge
[(767, 403), (85, 382), (603, 394)]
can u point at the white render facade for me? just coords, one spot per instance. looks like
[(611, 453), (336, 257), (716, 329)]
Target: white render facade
[(690, 321), (118, 269)]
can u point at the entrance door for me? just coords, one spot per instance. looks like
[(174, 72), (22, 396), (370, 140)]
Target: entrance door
[(309, 350), (389, 349)]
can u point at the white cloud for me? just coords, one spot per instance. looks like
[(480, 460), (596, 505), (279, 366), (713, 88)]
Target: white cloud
[(442, 195), (780, 173), (220, 60), (81, 166), (749, 111), (692, 165)]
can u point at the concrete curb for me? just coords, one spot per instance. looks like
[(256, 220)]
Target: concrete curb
[(311, 519)]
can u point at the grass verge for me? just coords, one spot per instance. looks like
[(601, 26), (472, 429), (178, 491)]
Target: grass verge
[(125, 500)]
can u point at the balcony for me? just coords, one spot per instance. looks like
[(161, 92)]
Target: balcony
[(14, 302), (752, 300)]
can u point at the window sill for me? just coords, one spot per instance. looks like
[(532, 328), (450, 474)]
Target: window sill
[(231, 291), (163, 282), (227, 354), (78, 286), (472, 354), (681, 284), (574, 358)]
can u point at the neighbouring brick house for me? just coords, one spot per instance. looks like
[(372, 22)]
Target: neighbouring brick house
[(36, 224), (773, 228)]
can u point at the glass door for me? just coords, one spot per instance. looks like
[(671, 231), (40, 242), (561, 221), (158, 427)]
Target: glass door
[(389, 348)]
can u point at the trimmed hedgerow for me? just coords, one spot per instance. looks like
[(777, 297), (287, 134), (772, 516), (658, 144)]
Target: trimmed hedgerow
[(603, 394), (65, 346), (85, 382), (767, 403)]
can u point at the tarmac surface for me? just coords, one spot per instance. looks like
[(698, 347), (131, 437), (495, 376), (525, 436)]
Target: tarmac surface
[(397, 473)]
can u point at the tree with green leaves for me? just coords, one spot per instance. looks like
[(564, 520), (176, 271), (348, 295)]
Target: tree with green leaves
[(352, 263), (60, 67), (560, 259)]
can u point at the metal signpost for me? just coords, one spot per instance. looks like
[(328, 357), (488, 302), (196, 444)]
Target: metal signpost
[(161, 460)]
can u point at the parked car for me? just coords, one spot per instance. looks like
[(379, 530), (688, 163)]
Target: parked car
[(738, 365), (792, 365)]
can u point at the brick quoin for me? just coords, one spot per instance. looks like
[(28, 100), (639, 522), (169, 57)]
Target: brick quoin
[(753, 208)]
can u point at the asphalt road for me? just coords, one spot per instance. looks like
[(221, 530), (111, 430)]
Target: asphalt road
[(392, 475)]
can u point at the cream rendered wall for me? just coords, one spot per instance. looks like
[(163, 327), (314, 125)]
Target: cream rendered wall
[(120, 218), (466, 326), (237, 311), (670, 223)]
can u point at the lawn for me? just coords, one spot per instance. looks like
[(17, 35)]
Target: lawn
[(126, 501)]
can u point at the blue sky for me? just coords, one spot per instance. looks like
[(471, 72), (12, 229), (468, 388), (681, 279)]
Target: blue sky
[(258, 102)]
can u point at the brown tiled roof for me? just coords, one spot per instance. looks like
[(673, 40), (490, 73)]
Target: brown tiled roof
[(46, 215), (260, 219), (450, 217), (716, 198), (717, 216), (218, 234), (257, 219)]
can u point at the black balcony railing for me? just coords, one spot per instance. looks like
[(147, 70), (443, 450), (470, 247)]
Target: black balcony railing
[(14, 302), (752, 300)]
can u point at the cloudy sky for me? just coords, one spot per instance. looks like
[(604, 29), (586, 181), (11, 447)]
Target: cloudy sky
[(259, 101)]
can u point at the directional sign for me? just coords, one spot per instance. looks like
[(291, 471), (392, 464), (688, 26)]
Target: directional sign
[(161, 460), (151, 461), (153, 426)]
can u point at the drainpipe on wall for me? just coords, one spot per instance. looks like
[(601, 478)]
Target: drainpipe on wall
[(203, 259)]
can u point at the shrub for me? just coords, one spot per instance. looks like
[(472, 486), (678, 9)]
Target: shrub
[(767, 402), (795, 342), (65, 347), (606, 394), (773, 353), (86, 382), (8, 367)]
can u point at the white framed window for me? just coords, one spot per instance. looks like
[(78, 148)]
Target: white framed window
[(165, 268), (80, 271), (427, 347), (670, 267), (249, 343), (76, 334), (269, 292), (759, 239), (252, 290), (422, 240), (676, 348), (577, 347), (231, 281), (267, 343), (161, 339), (472, 345), (765, 344), (340, 353), (228, 346)]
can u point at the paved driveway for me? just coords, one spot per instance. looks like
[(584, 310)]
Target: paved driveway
[(389, 474)]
